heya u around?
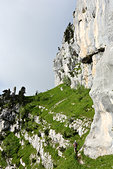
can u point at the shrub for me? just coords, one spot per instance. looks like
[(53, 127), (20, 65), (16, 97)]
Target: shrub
[(45, 98), (71, 120), (68, 133), (78, 69), (33, 160), (39, 134), (72, 74), (3, 162), (66, 80), (84, 10), (21, 95), (69, 33), (11, 145), (46, 132), (62, 149)]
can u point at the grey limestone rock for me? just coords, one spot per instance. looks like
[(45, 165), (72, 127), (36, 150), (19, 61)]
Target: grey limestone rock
[(100, 139), (7, 117), (93, 44), (77, 59)]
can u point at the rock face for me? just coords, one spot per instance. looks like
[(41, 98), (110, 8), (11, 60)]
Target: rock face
[(67, 61), (100, 140), (8, 117), (78, 56), (92, 44), (37, 143)]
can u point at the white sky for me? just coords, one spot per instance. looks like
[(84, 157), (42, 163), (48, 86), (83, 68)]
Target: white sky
[(30, 33)]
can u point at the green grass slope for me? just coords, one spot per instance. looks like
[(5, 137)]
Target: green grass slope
[(75, 104)]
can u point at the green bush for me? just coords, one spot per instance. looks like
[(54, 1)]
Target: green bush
[(25, 153), (78, 69), (39, 134), (46, 132), (33, 160), (11, 145), (69, 33), (3, 163), (62, 149), (66, 80), (45, 98)]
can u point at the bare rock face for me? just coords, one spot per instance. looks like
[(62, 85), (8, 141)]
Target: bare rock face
[(66, 63), (93, 44), (100, 140), (8, 118), (78, 55)]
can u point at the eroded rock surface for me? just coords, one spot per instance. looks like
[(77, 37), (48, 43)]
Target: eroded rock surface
[(77, 58), (7, 118), (93, 44), (100, 140)]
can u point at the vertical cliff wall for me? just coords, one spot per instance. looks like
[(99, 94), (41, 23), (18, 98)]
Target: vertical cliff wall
[(87, 44), (100, 140), (91, 64)]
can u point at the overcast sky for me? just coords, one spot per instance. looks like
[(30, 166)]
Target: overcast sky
[(30, 33)]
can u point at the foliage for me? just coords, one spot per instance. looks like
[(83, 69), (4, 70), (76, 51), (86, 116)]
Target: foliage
[(69, 33), (25, 153), (11, 145), (72, 73), (6, 94), (77, 69), (3, 162), (46, 132), (13, 149), (84, 10), (21, 95), (74, 103), (66, 80)]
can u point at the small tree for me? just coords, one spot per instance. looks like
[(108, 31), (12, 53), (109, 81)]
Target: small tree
[(36, 93), (6, 94), (14, 90), (69, 33), (21, 94)]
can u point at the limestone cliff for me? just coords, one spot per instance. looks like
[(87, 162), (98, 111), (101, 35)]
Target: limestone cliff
[(86, 46), (92, 43)]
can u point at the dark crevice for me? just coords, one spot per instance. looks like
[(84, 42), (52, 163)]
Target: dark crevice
[(88, 58), (101, 50)]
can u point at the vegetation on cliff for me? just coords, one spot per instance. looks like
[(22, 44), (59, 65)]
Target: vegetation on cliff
[(54, 110)]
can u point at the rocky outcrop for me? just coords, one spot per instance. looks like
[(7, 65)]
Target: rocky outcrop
[(92, 42), (100, 140), (66, 62), (8, 118), (37, 143), (78, 57)]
